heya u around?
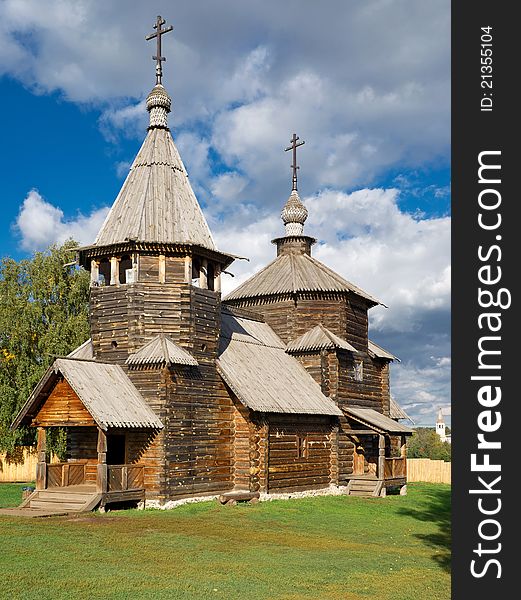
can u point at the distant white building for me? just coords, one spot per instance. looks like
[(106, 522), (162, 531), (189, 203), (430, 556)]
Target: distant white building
[(440, 428)]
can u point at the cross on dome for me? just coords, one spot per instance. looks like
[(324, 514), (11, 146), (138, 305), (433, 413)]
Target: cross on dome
[(158, 34), (294, 213), (293, 146)]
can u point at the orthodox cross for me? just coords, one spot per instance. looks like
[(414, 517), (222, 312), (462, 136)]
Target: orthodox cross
[(294, 166), (158, 58)]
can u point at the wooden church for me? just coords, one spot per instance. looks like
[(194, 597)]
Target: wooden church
[(181, 393)]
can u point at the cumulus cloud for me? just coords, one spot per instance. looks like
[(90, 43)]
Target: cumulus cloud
[(40, 224), (367, 84)]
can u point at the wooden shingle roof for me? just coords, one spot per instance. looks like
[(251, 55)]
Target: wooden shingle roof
[(378, 351), (253, 363), (161, 350), (293, 273), (377, 421), (85, 351), (156, 203), (397, 412), (318, 338), (105, 391)]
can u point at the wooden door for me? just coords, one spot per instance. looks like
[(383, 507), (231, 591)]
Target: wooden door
[(116, 449), (358, 460)]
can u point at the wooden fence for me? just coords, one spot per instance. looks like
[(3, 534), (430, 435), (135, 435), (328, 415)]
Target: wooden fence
[(20, 467), (431, 471)]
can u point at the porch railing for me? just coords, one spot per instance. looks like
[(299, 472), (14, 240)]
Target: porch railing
[(124, 477), (395, 467), (65, 474)]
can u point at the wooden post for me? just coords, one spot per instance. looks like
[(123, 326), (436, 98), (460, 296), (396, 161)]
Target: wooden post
[(381, 456), (94, 272), (114, 270), (188, 269), (41, 467), (102, 470), (333, 463), (162, 268), (403, 454), (65, 475), (203, 274), (217, 278)]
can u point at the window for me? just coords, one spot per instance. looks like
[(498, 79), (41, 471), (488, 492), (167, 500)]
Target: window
[(302, 446), (104, 272), (125, 270), (196, 272), (358, 370)]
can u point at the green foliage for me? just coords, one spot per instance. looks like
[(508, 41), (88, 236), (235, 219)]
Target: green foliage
[(43, 313), (426, 443)]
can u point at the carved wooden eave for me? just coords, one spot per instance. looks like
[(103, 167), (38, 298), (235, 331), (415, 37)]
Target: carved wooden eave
[(86, 253)]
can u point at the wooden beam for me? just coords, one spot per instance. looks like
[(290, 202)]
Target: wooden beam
[(188, 269), (94, 272), (41, 467), (114, 270), (102, 470), (217, 278), (381, 456), (162, 268), (360, 432), (203, 274)]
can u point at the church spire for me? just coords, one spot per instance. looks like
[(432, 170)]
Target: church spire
[(294, 213), (159, 102)]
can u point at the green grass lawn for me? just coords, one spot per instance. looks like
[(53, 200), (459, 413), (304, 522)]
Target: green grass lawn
[(338, 547)]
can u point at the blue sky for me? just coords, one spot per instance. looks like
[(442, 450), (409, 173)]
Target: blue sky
[(367, 85)]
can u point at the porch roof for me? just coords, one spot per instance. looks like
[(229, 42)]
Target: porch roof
[(105, 391), (375, 420)]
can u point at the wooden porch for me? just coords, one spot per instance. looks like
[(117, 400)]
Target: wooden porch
[(109, 483), (390, 472)]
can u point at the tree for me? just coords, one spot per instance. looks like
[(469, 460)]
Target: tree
[(43, 314), (426, 443)]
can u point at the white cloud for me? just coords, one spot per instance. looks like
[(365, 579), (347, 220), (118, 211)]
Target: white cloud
[(40, 224)]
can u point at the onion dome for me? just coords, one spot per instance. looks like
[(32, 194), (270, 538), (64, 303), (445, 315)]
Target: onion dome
[(294, 215), (159, 104)]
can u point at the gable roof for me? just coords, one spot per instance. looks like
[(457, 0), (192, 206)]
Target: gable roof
[(161, 349), (105, 391), (253, 363), (377, 421), (318, 338), (292, 273)]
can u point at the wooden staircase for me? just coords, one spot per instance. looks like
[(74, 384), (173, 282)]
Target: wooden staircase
[(57, 501), (364, 487)]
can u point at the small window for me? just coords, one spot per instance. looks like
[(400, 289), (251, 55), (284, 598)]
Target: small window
[(210, 276), (125, 269), (104, 272), (358, 370), (196, 272), (302, 446)]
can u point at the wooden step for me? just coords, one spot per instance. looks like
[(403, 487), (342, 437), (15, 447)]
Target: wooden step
[(361, 493), (56, 506), (364, 484), (64, 496)]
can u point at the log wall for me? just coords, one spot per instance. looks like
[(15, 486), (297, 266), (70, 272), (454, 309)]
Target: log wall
[(291, 470)]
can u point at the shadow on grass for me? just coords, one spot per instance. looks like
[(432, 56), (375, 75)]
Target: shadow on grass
[(435, 507)]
